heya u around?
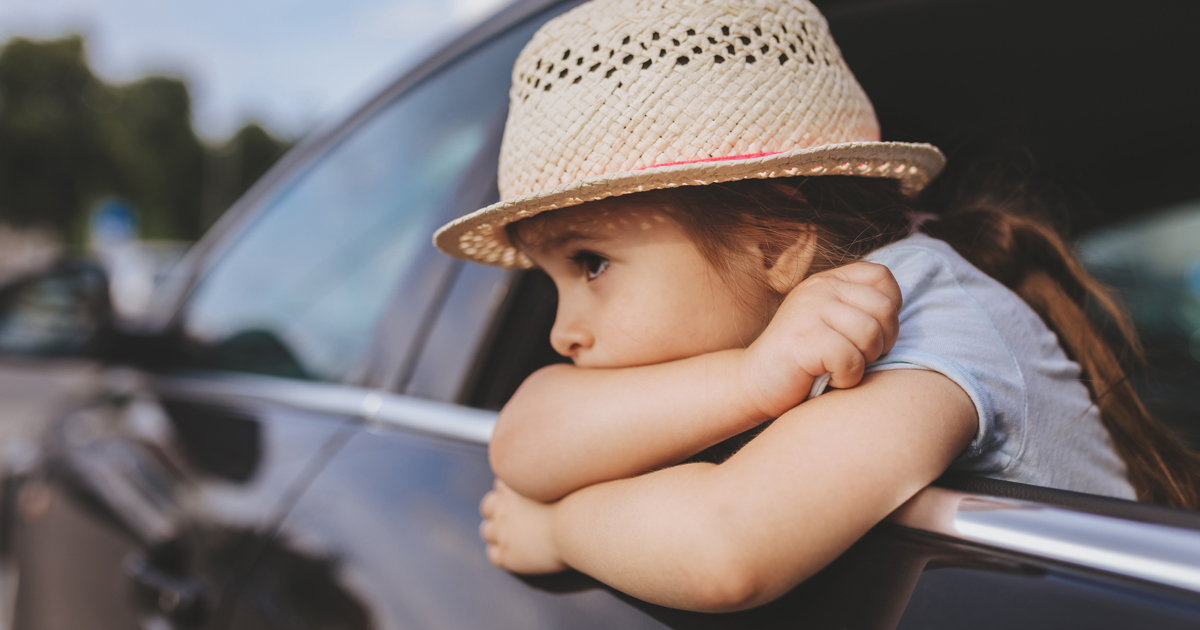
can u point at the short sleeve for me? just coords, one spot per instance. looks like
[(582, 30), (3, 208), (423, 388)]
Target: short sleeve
[(945, 328)]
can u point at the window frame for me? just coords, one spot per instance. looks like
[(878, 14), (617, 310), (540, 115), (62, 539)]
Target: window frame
[(173, 297), (430, 282), (196, 264), (383, 368)]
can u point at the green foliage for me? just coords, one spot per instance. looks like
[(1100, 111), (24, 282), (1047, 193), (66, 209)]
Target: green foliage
[(68, 139), (233, 167)]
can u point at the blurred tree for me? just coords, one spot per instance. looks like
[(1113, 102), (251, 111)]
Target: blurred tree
[(67, 140), (53, 158), (149, 134), (233, 167)]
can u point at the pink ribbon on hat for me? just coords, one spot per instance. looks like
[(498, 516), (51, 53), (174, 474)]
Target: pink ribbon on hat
[(712, 159)]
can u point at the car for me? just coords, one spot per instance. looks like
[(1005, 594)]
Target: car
[(296, 435)]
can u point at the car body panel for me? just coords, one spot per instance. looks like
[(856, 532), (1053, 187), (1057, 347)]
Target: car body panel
[(191, 482), (395, 513)]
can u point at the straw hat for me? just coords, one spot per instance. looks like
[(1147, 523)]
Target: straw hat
[(621, 96)]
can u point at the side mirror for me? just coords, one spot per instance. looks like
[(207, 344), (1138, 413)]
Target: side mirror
[(62, 312)]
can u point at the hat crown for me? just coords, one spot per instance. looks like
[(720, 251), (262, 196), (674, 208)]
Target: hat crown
[(617, 86), (618, 97)]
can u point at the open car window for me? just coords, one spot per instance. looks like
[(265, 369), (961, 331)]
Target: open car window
[(302, 289), (520, 344), (1153, 263)]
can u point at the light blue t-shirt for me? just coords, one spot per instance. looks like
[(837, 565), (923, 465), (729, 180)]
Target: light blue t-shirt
[(1037, 422)]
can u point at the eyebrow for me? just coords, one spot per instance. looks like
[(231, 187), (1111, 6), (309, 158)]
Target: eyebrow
[(565, 238)]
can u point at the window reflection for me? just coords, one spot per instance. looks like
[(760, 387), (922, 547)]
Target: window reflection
[(300, 292), (1154, 264)]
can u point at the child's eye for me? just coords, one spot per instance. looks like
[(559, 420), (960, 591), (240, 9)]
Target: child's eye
[(592, 263)]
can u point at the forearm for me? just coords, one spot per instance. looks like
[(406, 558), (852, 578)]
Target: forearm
[(735, 535), (738, 534), (567, 428), (673, 537)]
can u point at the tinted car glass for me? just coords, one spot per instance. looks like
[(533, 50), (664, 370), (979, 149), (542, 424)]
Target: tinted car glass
[(1154, 264), (521, 343), (301, 290)]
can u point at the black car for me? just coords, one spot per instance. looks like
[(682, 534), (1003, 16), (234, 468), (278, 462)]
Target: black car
[(296, 438)]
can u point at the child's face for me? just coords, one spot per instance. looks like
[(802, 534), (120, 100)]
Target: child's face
[(634, 290)]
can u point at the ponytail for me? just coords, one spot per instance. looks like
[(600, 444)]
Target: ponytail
[(1006, 241)]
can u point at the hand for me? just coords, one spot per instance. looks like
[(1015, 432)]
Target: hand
[(518, 532), (836, 321)]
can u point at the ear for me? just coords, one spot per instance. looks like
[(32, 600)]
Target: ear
[(790, 266)]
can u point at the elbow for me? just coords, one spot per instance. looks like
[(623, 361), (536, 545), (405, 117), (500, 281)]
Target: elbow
[(505, 456), (727, 586), (513, 461), (732, 570), (502, 448), (721, 572), (517, 450)]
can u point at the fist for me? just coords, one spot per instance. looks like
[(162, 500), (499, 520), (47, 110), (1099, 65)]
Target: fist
[(834, 322), (518, 532)]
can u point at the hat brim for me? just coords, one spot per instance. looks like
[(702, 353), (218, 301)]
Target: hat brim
[(480, 236)]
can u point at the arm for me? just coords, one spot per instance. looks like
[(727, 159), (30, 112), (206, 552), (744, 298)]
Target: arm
[(567, 427), (739, 534)]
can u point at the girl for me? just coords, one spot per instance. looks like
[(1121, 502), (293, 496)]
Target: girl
[(702, 181)]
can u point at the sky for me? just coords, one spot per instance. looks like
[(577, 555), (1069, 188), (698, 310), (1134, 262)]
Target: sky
[(288, 64)]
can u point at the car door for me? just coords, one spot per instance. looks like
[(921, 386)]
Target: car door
[(391, 520), (395, 512), (155, 495), (386, 535)]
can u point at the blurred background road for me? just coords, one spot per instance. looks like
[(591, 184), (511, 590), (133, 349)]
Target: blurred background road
[(29, 394)]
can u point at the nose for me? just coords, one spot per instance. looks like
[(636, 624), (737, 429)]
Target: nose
[(570, 335)]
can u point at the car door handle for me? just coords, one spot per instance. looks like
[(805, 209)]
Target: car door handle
[(177, 597)]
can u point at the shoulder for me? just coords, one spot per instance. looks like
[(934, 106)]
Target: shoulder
[(917, 259), (943, 292), (965, 325), (1036, 421), (938, 283)]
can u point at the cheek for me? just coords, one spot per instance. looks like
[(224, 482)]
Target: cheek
[(690, 311)]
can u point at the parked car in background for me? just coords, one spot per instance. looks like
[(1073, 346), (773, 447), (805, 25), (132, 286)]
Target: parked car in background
[(295, 436)]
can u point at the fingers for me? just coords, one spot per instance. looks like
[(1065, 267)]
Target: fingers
[(866, 334), (516, 531), (487, 509), (834, 322), (487, 506), (867, 287), (842, 360), (858, 310), (874, 304), (488, 530), (871, 275)]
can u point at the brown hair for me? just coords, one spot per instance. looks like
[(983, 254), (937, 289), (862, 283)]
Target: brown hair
[(1001, 234)]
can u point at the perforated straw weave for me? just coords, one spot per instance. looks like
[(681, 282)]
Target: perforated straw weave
[(621, 96)]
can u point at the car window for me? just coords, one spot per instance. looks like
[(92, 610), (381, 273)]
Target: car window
[(1154, 265), (1152, 262), (520, 344), (300, 291)]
